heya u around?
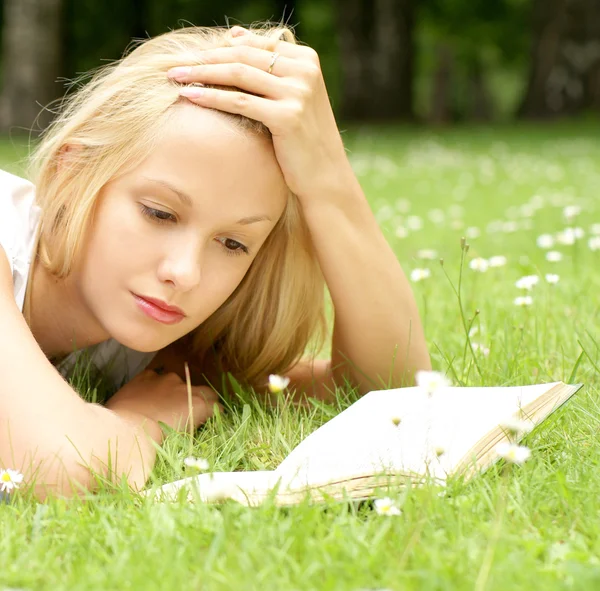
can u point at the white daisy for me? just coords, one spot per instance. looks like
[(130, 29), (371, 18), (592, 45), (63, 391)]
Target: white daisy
[(400, 232), (419, 274), (497, 261), (513, 453), (594, 243), (527, 282), (386, 506), (199, 464), (479, 264), (571, 211), (552, 278), (516, 426), (545, 241), (554, 256), (431, 381), (427, 254), (9, 480), (485, 351), (566, 237), (414, 223), (278, 383), (523, 301)]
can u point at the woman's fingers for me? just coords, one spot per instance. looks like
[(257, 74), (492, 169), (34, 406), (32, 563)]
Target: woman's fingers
[(235, 74), (270, 44), (204, 401), (240, 103), (251, 56)]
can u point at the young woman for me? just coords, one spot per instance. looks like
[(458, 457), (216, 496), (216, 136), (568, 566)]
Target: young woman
[(190, 202)]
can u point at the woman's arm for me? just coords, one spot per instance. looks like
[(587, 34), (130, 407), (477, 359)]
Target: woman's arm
[(378, 338), (57, 440)]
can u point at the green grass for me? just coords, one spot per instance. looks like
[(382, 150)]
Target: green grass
[(529, 527)]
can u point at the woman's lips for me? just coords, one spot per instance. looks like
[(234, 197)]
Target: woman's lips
[(156, 312)]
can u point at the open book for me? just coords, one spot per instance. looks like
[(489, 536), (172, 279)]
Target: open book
[(384, 439)]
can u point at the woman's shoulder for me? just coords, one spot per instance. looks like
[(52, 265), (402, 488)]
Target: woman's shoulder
[(19, 218), (19, 214)]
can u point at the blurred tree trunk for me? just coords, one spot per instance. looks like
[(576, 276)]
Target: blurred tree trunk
[(480, 106), (565, 59), (441, 89), (31, 61), (377, 55)]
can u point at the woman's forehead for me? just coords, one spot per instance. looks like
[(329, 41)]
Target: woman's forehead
[(201, 151)]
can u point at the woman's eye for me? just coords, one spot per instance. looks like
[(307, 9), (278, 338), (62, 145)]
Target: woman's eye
[(157, 215), (233, 247)]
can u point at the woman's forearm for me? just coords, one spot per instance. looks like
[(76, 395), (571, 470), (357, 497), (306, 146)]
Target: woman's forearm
[(101, 444), (378, 338), (131, 447)]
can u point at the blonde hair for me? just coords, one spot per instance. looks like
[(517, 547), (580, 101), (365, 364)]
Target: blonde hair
[(113, 122)]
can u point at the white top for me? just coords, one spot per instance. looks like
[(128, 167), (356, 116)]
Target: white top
[(19, 218)]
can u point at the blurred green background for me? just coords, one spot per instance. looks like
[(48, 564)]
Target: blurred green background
[(435, 62)]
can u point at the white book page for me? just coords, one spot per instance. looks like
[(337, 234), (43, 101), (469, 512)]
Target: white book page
[(218, 486), (364, 440)]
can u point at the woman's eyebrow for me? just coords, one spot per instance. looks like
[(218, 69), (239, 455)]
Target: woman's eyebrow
[(187, 200), (184, 197)]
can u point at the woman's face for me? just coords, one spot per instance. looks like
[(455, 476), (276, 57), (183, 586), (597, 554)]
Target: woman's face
[(182, 228)]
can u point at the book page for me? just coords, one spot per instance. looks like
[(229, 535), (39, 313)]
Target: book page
[(213, 487), (364, 438)]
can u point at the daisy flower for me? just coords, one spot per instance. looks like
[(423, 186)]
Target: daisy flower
[(386, 506), (479, 264), (419, 274), (513, 453), (594, 243), (278, 383), (9, 480), (571, 211), (431, 381), (554, 256), (566, 237), (516, 426), (427, 254), (485, 351), (199, 464), (527, 282), (545, 241), (523, 301), (497, 261), (414, 223), (552, 278)]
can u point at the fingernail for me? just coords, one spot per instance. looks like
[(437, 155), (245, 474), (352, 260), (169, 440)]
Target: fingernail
[(179, 72), (191, 91), (238, 31)]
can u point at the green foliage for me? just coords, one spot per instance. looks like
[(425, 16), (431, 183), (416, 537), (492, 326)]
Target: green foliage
[(493, 37)]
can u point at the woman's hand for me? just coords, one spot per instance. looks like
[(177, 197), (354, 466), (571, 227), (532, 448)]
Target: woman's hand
[(164, 398), (288, 95)]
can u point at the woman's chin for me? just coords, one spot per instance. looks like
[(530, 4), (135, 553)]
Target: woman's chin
[(142, 341)]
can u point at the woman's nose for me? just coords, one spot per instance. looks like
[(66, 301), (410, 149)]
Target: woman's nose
[(182, 268)]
